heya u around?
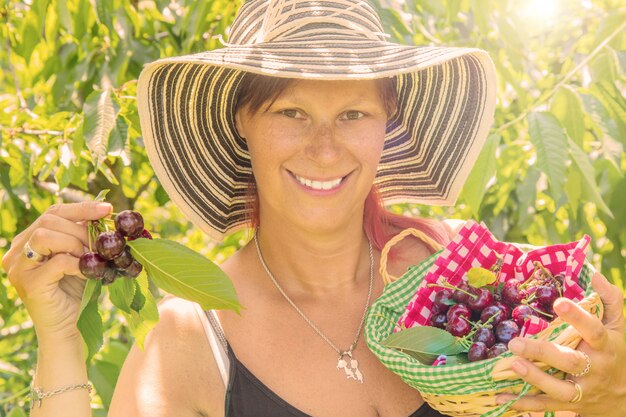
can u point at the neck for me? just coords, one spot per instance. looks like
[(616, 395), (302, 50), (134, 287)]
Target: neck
[(312, 262)]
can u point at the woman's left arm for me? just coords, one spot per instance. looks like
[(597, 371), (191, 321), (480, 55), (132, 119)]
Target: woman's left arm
[(604, 386)]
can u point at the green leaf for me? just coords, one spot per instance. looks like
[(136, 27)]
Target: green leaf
[(139, 299), (100, 114), (568, 108), (483, 172), (424, 343), (17, 412), (104, 12), (591, 190), (122, 293), (479, 277), (89, 321), (551, 143), (142, 322), (574, 189), (185, 273)]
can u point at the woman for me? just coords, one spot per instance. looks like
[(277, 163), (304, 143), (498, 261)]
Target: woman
[(287, 129)]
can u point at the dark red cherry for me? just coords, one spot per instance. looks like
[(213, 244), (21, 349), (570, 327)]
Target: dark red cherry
[(124, 259), (439, 320), (506, 330), (491, 311), (92, 265), (110, 273), (511, 293), (504, 307), (458, 326), (460, 296), (546, 294), (459, 310), (443, 300), (477, 352), (484, 335), (110, 244), (483, 298), (133, 270), (496, 350), (145, 234), (521, 313), (129, 223)]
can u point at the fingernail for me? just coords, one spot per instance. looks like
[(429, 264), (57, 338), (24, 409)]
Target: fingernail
[(519, 367), (516, 346), (561, 306), (501, 400), (104, 207)]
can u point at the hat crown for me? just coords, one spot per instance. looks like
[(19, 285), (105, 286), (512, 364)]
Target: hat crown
[(262, 21)]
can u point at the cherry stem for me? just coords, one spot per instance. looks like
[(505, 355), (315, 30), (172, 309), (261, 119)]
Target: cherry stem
[(451, 287), (537, 310)]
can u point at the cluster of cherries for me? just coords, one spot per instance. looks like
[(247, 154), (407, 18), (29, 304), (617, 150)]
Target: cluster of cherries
[(112, 257), (487, 318)]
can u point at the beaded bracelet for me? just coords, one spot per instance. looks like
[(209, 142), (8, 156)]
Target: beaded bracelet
[(37, 394)]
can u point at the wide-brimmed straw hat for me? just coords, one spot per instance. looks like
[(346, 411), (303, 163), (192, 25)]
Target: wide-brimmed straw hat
[(446, 100)]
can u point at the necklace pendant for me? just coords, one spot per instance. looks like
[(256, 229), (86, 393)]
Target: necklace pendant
[(350, 366)]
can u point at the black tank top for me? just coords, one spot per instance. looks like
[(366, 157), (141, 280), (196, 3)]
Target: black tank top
[(247, 396)]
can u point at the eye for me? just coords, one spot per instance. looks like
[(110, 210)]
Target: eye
[(292, 113), (352, 115)]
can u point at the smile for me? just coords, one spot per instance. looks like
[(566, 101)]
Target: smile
[(319, 185)]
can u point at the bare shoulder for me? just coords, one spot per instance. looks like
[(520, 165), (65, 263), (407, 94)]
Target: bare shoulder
[(175, 373)]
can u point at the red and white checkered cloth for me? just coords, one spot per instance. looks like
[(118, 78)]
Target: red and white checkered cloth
[(475, 246)]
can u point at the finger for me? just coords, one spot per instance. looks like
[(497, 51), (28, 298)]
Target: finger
[(540, 402), (556, 388), (613, 301), (86, 210), (560, 357), (50, 242), (58, 266), (589, 326)]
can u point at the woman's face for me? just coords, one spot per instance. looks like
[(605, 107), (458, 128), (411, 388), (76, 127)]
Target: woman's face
[(315, 150)]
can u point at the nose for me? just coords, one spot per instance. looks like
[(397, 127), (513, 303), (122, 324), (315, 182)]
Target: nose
[(323, 144)]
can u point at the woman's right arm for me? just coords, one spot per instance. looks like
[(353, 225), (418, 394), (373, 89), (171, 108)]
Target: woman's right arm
[(51, 291)]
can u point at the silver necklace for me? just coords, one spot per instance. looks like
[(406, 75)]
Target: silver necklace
[(346, 362)]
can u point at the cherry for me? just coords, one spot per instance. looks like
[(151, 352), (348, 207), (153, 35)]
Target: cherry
[(477, 352), (110, 244), (496, 350), (505, 308), (123, 260), (133, 270), (110, 273), (484, 335), (458, 326), (491, 311), (145, 234), (458, 310), (439, 320), (461, 295), (92, 265), (542, 309), (442, 300), (506, 330), (483, 298), (546, 294), (521, 313), (511, 293), (129, 223)]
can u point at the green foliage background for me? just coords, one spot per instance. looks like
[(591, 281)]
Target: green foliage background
[(552, 170)]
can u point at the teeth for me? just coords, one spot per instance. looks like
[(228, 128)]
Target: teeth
[(319, 185)]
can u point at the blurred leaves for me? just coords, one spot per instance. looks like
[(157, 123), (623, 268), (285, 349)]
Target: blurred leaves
[(551, 171)]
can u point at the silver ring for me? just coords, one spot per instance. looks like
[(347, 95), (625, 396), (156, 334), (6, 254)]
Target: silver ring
[(579, 391), (32, 254), (587, 366)]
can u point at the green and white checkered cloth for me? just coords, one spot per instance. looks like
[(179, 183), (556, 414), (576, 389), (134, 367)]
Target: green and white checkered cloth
[(469, 378)]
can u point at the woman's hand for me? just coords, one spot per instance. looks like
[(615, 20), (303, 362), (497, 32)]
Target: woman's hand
[(52, 288), (604, 386)]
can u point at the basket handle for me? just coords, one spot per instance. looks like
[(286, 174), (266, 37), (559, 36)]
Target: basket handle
[(387, 278)]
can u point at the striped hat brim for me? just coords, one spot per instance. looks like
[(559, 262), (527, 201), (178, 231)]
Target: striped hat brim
[(446, 101)]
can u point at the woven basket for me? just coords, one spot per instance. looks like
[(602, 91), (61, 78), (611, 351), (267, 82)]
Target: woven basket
[(464, 389)]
